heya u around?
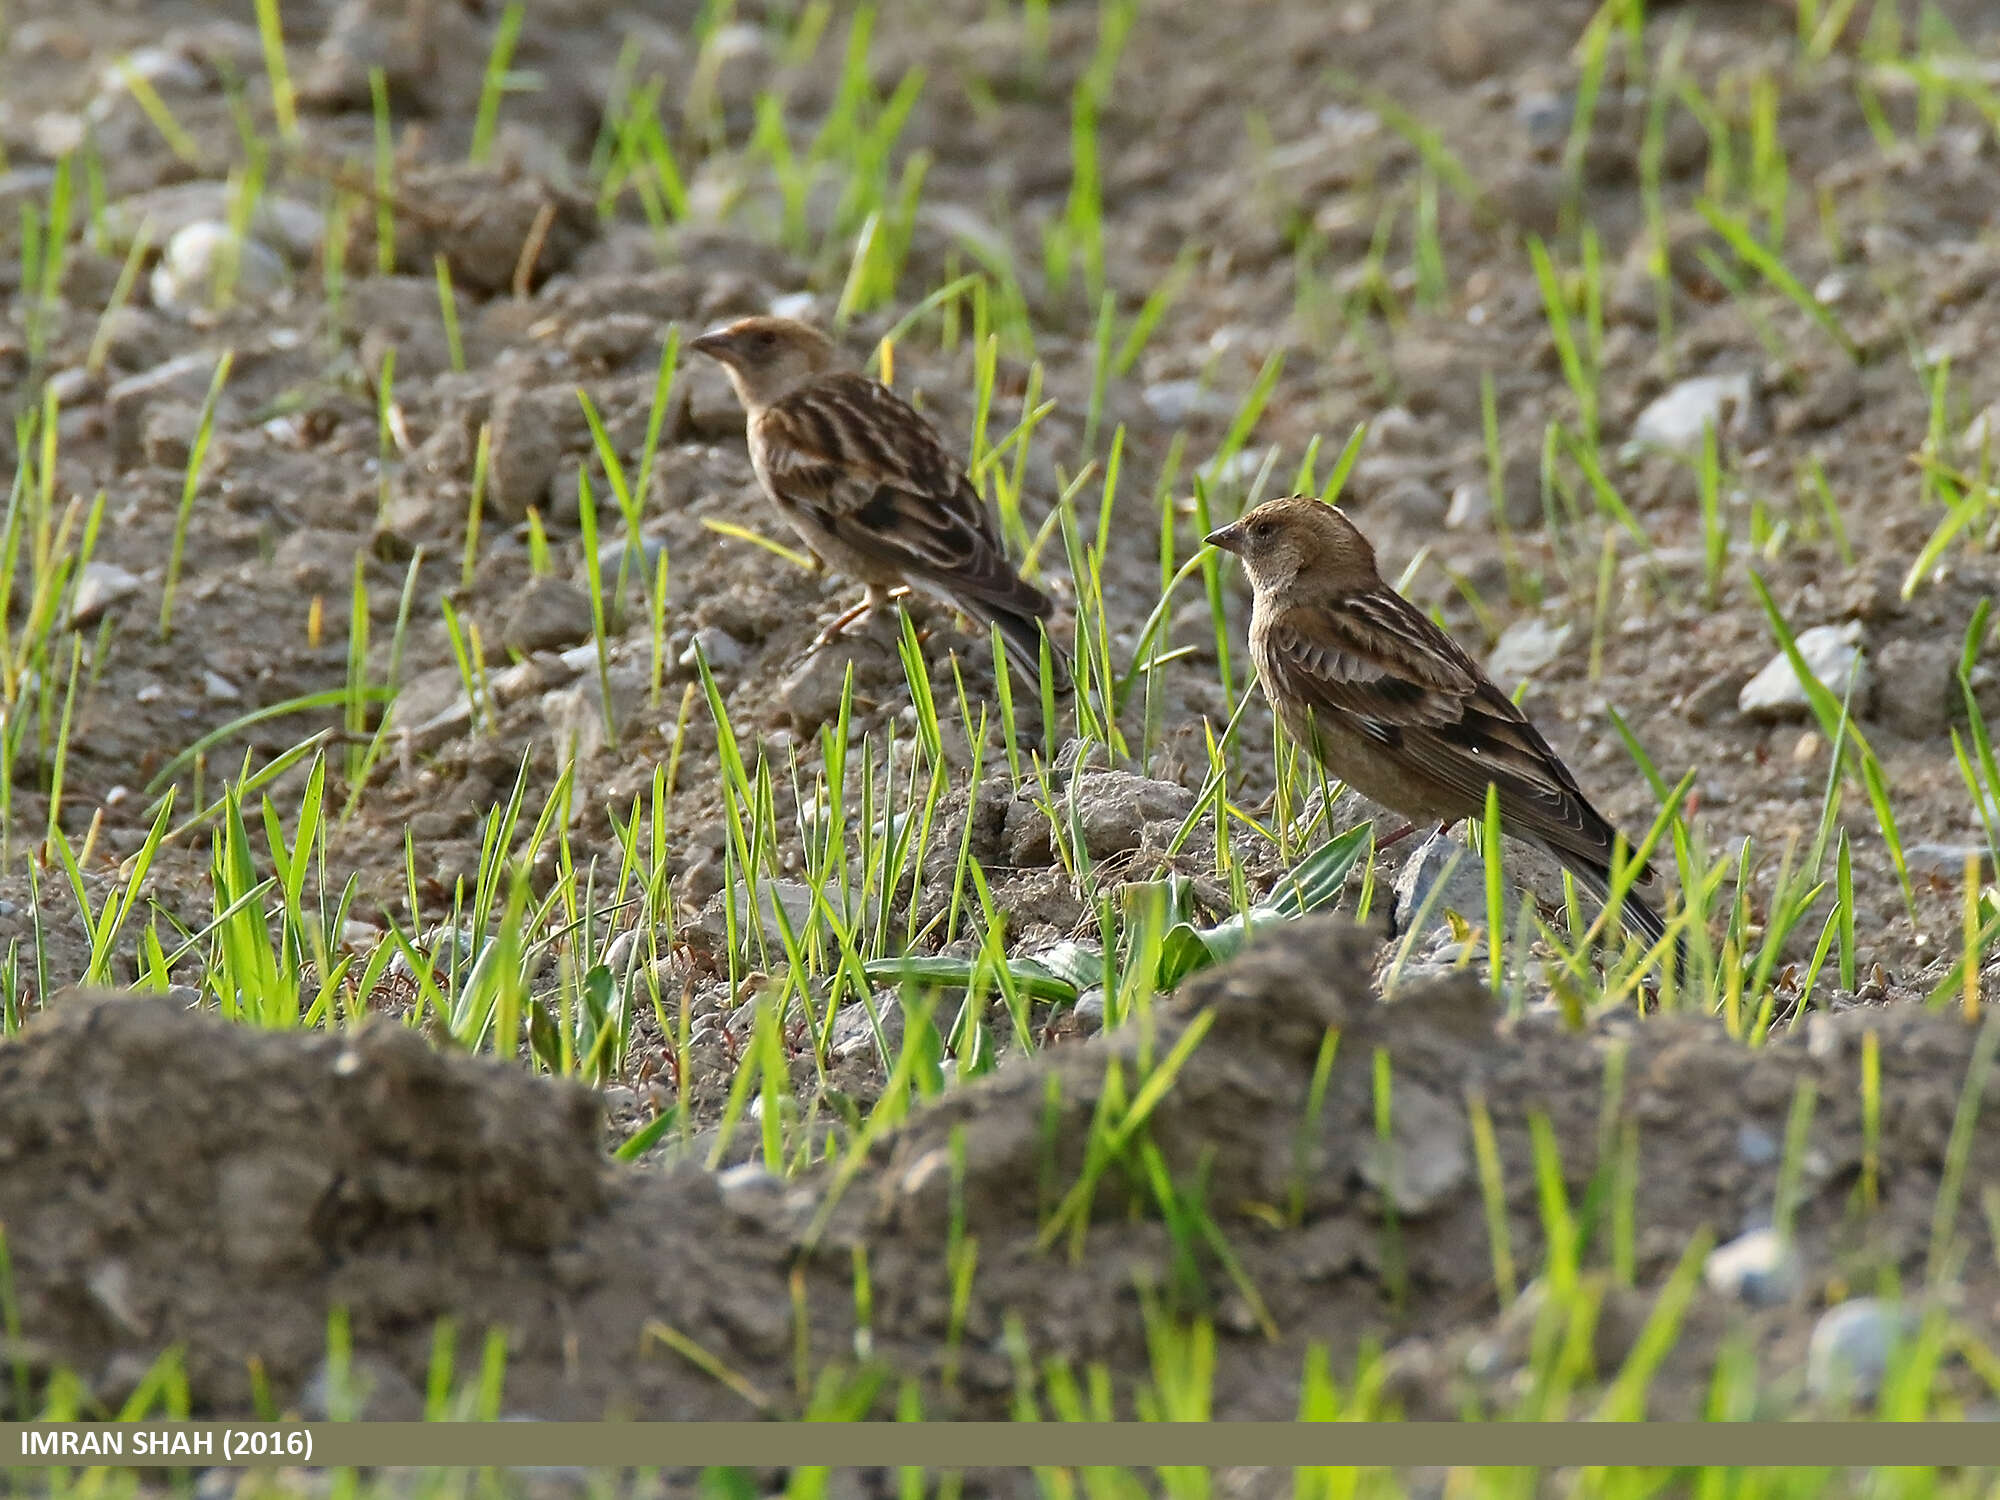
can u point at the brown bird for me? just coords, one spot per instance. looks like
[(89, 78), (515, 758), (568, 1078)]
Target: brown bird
[(868, 485), (1392, 706)]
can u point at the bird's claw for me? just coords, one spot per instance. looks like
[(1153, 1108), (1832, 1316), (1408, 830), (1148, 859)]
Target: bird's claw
[(844, 622)]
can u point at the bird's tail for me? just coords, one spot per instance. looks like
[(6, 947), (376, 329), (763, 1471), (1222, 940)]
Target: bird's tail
[(1022, 635), (1637, 914)]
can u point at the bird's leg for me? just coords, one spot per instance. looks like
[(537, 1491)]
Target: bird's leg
[(876, 598), (1395, 838), (837, 626)]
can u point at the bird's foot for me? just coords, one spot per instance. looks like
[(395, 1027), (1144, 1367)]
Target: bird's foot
[(844, 622)]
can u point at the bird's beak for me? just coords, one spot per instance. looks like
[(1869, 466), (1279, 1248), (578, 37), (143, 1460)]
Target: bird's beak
[(715, 345), (1229, 538)]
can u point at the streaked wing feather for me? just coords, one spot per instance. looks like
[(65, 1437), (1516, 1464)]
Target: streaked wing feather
[(1381, 666), (869, 469)]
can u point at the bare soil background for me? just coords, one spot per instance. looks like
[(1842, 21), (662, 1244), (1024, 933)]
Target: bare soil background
[(165, 1178)]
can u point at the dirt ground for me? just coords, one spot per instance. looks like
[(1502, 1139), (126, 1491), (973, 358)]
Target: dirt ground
[(170, 1178), (242, 1185)]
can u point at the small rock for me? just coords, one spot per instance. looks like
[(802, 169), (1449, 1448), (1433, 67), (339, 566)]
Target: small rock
[(612, 339), (1676, 420), (811, 691), (167, 70), (1415, 502), (1395, 430), (427, 695), (792, 898), (289, 225), (1832, 653), (1713, 698), (531, 433), (1835, 394), (576, 712), (1886, 244), (1873, 593), (264, 1208), (1524, 648), (751, 1193), (208, 259), (57, 132), (1521, 489), (624, 951), (98, 588), (1977, 443), (1916, 686), (1849, 1351), (166, 437), (1545, 115), (110, 1286), (1425, 1161), (1759, 1268), (315, 559), (854, 1033), (742, 60), (185, 378), (1472, 42), (1518, 1332), (1191, 627), (1947, 861), (480, 219), (801, 306), (722, 651), (1441, 875), (706, 404), (1528, 194), (24, 185), (647, 555), (368, 1388), (219, 688), (1089, 1012), (359, 937), (550, 614), (703, 878), (1235, 472), (1755, 1145), (1114, 807), (72, 387), (1175, 401), (1468, 504)]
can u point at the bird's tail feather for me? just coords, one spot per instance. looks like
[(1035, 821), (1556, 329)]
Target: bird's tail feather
[(1022, 636), (1637, 914)]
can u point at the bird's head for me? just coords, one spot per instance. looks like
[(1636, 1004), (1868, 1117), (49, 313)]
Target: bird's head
[(767, 358), (1300, 541)]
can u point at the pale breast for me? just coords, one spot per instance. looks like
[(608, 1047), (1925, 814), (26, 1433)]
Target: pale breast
[(830, 549)]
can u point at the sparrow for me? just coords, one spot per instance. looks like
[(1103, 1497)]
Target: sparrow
[(1392, 706), (868, 485)]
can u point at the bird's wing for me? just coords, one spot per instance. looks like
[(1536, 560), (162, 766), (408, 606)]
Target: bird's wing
[(1376, 663), (869, 469)]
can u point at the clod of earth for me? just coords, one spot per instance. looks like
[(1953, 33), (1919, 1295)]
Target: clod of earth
[(243, 1184)]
